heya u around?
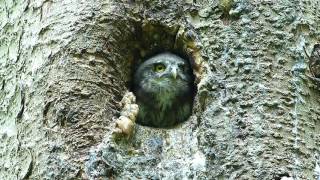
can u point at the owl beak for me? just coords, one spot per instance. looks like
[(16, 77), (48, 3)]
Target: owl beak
[(174, 73)]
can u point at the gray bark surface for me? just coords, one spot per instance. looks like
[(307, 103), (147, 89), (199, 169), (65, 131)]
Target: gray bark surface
[(65, 66)]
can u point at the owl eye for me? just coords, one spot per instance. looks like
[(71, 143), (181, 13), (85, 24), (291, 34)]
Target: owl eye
[(159, 67), (182, 67)]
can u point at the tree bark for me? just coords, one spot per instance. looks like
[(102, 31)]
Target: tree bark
[(65, 66)]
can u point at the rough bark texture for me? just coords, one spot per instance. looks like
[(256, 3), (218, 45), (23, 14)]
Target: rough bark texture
[(65, 65)]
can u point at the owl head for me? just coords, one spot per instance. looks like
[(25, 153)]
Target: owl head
[(164, 73)]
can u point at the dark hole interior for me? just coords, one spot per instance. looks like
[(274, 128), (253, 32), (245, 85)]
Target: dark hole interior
[(280, 176), (146, 41)]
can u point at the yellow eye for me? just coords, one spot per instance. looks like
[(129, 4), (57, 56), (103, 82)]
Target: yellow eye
[(159, 67)]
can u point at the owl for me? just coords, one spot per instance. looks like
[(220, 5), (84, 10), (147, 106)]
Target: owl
[(164, 89)]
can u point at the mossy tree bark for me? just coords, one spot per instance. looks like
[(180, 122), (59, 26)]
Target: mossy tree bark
[(65, 65)]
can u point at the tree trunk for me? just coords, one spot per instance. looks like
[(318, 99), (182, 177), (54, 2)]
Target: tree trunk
[(65, 66)]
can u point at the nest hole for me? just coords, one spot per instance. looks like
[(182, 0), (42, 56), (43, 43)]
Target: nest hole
[(148, 40)]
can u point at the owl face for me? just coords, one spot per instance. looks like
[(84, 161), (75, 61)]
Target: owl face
[(163, 73)]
